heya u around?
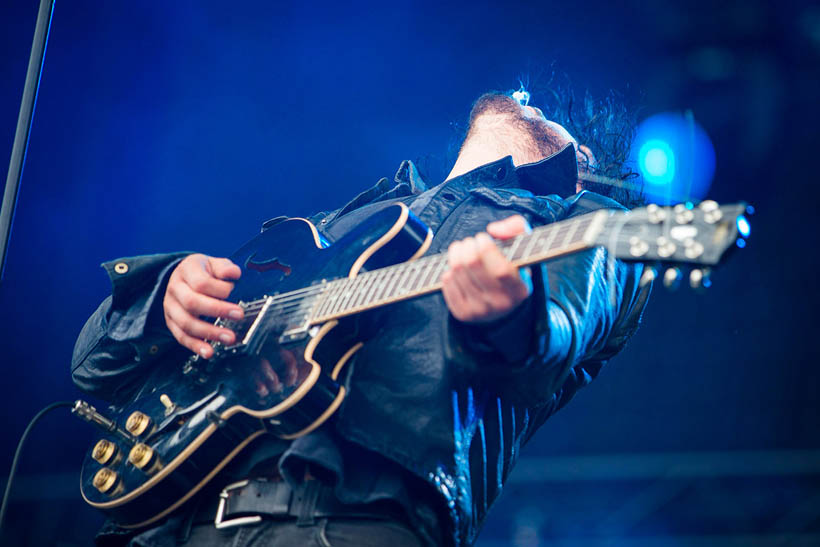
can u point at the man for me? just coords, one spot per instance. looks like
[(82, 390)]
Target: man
[(447, 387)]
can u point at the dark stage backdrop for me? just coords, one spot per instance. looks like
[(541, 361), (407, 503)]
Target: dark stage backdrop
[(183, 125)]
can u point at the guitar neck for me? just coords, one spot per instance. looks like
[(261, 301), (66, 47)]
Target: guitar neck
[(369, 290), (675, 235)]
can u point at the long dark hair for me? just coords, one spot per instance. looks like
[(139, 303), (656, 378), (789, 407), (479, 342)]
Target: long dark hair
[(606, 126)]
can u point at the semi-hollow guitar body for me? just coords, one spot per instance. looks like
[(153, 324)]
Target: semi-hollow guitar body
[(191, 418)]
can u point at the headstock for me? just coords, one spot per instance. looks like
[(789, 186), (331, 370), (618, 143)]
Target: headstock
[(682, 234)]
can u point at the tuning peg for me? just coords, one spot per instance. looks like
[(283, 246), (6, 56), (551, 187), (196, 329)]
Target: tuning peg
[(699, 279), (655, 214), (683, 214), (671, 278), (666, 247), (650, 273), (711, 211)]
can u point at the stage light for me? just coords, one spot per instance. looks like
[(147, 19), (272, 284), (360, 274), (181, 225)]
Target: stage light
[(675, 157), (522, 96), (743, 226), (657, 162)]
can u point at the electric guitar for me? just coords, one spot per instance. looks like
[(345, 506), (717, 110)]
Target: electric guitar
[(281, 377)]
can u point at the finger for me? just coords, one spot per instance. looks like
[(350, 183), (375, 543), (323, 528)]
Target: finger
[(504, 275), (484, 279), (454, 298), (260, 387), (195, 327), (200, 304), (195, 345), (223, 268), (291, 368), (197, 276), (272, 379), (466, 293), (508, 227)]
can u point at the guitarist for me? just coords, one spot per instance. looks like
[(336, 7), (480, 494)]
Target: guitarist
[(447, 387)]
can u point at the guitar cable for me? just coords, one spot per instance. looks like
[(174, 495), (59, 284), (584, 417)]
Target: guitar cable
[(17, 452)]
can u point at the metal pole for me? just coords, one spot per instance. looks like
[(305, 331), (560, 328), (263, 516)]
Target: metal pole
[(21, 136)]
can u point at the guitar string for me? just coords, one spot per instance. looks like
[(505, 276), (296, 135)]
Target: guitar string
[(291, 303)]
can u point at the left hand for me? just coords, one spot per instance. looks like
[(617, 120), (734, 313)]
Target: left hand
[(481, 284)]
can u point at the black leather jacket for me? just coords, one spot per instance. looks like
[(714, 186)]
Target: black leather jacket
[(452, 403)]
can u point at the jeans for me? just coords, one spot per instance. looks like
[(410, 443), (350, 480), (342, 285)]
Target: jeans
[(326, 532)]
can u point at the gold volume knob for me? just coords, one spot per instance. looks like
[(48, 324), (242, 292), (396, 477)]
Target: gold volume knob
[(104, 451), (105, 480), (143, 457), (137, 423)]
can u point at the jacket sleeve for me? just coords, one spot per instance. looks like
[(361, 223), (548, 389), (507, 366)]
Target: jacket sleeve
[(126, 335)]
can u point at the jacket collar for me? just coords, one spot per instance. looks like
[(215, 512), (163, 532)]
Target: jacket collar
[(556, 174)]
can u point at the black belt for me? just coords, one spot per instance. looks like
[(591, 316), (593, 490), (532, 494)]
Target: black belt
[(248, 501)]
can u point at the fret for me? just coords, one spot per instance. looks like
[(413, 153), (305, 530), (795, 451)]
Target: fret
[(412, 277), (333, 297), (381, 285), (369, 289), (514, 247), (424, 270), (572, 229), (362, 289), (345, 296), (583, 224), (553, 233), (422, 267), (328, 298), (397, 286), (392, 278), (404, 277), (528, 248), (358, 289), (440, 268), (433, 275)]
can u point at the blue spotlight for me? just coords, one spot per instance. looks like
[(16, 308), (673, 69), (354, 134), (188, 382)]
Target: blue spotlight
[(675, 157), (657, 162), (743, 226)]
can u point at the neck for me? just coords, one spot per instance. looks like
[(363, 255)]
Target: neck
[(491, 139)]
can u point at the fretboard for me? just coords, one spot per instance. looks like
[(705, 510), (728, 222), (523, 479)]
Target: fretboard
[(371, 289)]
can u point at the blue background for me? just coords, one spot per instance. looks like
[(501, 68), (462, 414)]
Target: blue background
[(183, 125)]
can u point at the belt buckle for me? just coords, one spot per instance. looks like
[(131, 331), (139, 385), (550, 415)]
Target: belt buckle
[(219, 522)]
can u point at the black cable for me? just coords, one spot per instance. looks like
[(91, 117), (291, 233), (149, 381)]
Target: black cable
[(17, 452)]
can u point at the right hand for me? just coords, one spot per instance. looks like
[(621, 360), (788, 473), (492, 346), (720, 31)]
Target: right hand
[(198, 287)]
